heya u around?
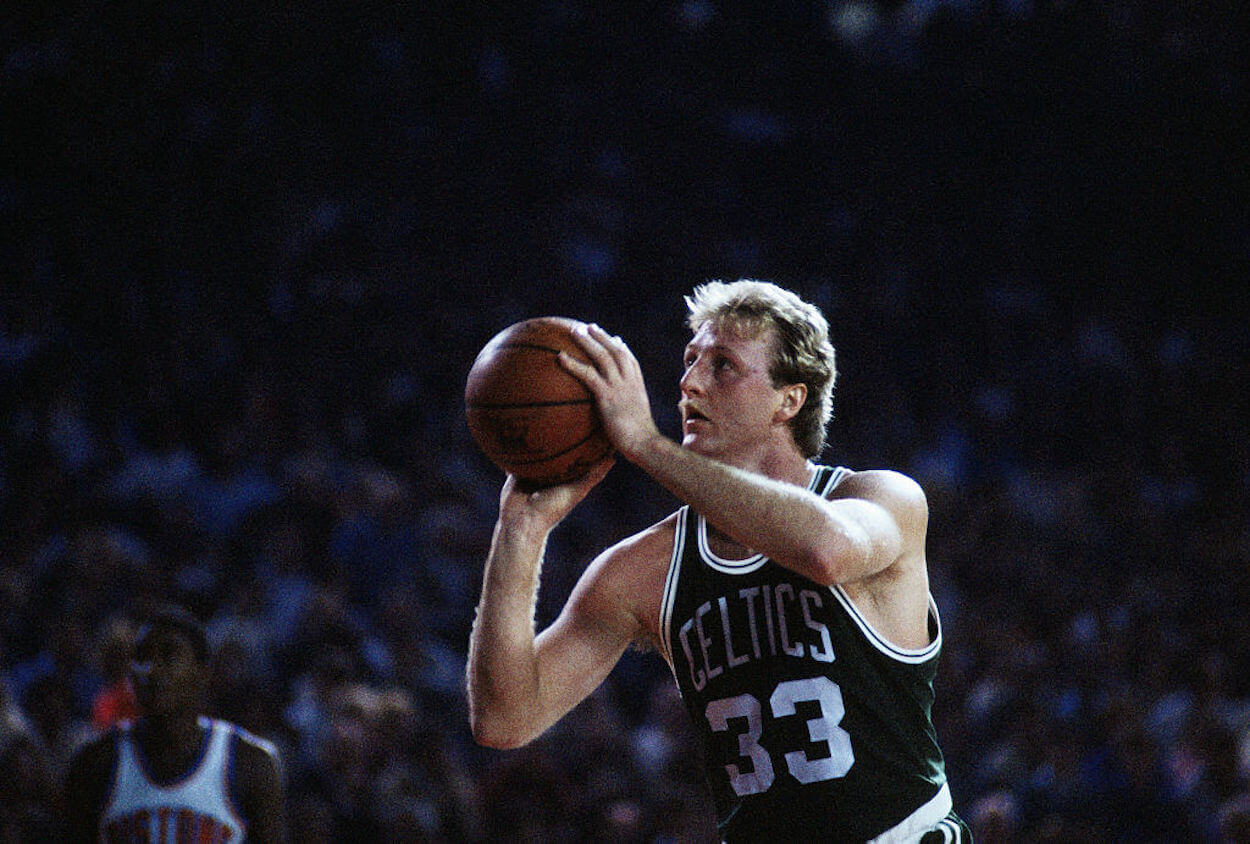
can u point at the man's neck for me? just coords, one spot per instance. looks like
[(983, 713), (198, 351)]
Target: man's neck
[(171, 742), (784, 463)]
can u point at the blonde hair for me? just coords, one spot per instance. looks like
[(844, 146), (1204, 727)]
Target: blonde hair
[(802, 353)]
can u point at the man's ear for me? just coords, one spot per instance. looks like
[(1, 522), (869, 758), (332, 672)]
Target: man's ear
[(792, 398)]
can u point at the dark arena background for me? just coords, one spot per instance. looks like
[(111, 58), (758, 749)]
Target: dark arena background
[(250, 250)]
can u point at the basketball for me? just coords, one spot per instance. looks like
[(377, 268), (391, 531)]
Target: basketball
[(527, 414)]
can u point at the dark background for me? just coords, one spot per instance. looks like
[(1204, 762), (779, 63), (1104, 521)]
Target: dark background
[(250, 250)]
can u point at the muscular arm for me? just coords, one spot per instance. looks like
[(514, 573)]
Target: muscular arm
[(870, 539), (829, 541), (839, 541), (519, 683)]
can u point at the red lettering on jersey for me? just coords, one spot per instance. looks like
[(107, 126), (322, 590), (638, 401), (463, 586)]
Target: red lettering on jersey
[(186, 827), (210, 831), (141, 831)]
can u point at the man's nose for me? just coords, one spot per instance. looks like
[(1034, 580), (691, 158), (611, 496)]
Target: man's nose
[(691, 381)]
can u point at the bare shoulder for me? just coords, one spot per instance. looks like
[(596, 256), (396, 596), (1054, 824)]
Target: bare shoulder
[(896, 492), (630, 574), (895, 600), (653, 544), (261, 786), (904, 499), (257, 757)]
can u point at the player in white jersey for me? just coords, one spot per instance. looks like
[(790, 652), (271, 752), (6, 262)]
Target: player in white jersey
[(821, 739), (174, 775)]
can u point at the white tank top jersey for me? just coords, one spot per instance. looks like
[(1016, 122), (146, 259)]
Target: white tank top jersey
[(192, 809)]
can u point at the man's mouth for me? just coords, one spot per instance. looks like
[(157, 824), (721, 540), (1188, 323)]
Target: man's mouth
[(693, 415)]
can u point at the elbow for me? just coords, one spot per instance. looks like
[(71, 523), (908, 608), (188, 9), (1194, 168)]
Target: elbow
[(848, 558), (488, 736), (495, 719), (495, 732), (827, 569)]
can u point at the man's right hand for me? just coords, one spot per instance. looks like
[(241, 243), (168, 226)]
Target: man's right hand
[(520, 504)]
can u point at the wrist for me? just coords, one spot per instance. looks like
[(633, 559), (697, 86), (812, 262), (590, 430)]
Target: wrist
[(521, 528), (649, 450)]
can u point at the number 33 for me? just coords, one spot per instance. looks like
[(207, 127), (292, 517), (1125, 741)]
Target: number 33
[(823, 729)]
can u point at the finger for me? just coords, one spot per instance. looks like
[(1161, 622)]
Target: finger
[(613, 343), (583, 485), (597, 344), (600, 470), (626, 360), (570, 492), (583, 371)]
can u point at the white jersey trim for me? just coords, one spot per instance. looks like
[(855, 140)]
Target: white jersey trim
[(670, 584), (951, 833), (204, 787), (908, 655), (746, 565), (924, 819)]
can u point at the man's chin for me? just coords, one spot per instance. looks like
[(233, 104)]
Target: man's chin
[(697, 444)]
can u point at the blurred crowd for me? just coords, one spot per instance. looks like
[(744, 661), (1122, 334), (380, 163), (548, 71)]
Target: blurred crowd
[(252, 250)]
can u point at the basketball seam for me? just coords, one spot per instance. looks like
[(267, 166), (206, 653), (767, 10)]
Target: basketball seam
[(553, 456), (521, 345), (485, 405)]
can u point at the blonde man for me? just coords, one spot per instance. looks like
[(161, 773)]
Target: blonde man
[(790, 599)]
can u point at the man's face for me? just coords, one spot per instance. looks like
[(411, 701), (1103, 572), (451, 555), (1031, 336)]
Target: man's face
[(728, 402), (167, 676)]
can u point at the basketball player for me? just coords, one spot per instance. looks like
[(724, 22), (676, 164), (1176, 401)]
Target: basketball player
[(173, 775), (790, 599)]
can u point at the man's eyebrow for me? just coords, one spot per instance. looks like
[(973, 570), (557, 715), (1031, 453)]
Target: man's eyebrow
[(718, 346)]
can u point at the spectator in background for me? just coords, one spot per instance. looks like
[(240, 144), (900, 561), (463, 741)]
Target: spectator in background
[(173, 765), (29, 796)]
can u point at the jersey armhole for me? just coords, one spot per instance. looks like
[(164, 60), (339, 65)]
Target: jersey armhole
[(233, 790), (680, 527)]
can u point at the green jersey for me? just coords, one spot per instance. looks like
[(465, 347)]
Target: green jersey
[(814, 727)]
